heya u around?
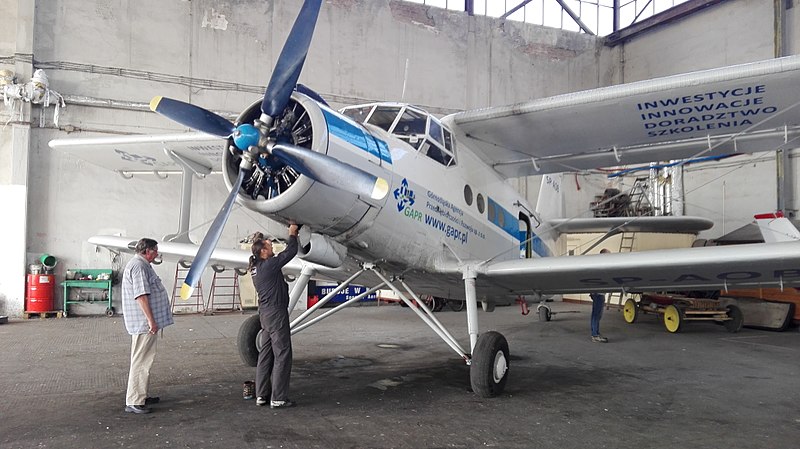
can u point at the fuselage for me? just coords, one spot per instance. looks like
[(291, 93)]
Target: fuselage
[(445, 206)]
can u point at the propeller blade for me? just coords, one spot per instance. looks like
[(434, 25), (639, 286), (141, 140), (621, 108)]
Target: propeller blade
[(210, 241), (331, 172), (290, 62), (192, 116)]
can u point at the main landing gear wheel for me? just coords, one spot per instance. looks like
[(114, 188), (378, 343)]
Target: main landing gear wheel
[(456, 306), (246, 341), (630, 311), (734, 324), (544, 313), (489, 371), (673, 319)]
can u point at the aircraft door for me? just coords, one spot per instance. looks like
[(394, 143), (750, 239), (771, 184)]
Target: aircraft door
[(525, 240)]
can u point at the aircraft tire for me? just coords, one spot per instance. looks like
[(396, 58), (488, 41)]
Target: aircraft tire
[(737, 319), (246, 341), (456, 306), (544, 313), (489, 370), (437, 304)]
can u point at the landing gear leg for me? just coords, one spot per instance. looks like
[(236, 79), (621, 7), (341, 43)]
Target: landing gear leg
[(488, 371)]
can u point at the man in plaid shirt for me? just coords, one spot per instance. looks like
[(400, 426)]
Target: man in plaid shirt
[(146, 308)]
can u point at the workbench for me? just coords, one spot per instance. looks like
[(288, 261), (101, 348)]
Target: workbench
[(87, 283)]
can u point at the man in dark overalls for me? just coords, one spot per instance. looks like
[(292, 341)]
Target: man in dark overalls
[(275, 358)]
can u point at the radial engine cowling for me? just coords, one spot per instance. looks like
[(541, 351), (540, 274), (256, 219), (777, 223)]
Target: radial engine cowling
[(278, 191)]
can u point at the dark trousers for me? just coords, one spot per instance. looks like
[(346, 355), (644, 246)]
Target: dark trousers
[(275, 359), (598, 300)]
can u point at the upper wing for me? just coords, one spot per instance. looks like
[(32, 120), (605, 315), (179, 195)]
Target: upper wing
[(147, 153), (720, 267), (744, 108), (228, 258), (682, 224)]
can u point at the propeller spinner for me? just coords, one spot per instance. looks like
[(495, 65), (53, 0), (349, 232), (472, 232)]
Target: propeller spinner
[(260, 138)]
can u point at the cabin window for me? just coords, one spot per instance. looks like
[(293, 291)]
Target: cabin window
[(468, 194), (480, 203)]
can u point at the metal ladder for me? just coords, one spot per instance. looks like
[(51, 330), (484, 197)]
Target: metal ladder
[(195, 301), (224, 286)]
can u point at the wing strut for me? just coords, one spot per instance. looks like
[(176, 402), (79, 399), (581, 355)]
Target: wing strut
[(189, 168)]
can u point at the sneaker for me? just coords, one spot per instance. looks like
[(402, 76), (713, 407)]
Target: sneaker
[(138, 409), (281, 404), (261, 401), (599, 339), (152, 400)]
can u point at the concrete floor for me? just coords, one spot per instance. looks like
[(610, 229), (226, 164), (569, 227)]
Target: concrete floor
[(63, 382)]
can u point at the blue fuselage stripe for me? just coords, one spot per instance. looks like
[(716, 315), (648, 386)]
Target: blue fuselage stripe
[(355, 135)]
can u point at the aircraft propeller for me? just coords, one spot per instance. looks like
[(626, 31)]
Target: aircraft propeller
[(258, 138)]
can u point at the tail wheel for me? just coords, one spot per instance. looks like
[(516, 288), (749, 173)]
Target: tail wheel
[(673, 319), (630, 310), (246, 341), (489, 371), (734, 324), (544, 313)]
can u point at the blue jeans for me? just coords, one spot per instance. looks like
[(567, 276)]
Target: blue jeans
[(598, 300)]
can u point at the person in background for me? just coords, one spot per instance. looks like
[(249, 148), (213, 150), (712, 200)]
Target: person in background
[(146, 308), (275, 359), (598, 300)]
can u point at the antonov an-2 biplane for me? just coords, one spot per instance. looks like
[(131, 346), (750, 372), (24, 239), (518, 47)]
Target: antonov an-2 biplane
[(392, 197)]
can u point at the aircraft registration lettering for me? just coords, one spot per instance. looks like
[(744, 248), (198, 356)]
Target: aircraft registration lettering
[(691, 277), (146, 160), (731, 108)]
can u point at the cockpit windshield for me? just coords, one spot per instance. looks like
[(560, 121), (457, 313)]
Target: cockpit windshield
[(415, 126)]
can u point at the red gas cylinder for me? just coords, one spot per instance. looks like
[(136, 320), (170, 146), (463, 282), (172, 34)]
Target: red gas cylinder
[(39, 294)]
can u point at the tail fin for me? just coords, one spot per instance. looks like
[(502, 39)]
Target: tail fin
[(775, 228), (550, 204)]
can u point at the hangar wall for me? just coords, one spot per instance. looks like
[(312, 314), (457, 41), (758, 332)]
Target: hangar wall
[(110, 58)]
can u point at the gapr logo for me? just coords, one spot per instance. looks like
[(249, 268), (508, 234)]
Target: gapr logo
[(405, 199), (404, 196)]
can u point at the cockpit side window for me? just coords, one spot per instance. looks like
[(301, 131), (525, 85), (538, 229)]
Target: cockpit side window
[(448, 141), (384, 116), (436, 131)]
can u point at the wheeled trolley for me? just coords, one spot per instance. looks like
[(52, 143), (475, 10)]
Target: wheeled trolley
[(676, 310)]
